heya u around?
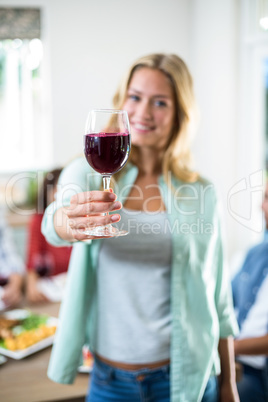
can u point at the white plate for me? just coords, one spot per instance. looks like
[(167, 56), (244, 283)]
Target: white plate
[(2, 360), (44, 343), (18, 314)]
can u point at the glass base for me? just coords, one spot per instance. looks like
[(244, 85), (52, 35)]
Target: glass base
[(105, 231)]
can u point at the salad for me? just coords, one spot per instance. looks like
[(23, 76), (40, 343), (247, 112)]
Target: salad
[(23, 332)]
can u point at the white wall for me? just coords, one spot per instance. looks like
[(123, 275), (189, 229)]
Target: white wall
[(92, 43), (215, 69), (89, 44), (250, 155), (227, 55)]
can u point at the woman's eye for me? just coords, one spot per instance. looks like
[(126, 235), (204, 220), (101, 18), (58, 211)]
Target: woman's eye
[(160, 103), (133, 97)]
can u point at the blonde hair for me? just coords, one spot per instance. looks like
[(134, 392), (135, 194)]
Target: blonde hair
[(177, 156)]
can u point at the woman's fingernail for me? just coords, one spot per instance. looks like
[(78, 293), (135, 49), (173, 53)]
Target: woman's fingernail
[(112, 196), (115, 217), (116, 205)]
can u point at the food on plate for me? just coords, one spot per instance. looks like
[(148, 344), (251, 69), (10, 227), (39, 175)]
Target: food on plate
[(5, 326), (25, 332), (7, 322)]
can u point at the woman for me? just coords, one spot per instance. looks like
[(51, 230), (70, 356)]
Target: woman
[(42, 258), (159, 296)]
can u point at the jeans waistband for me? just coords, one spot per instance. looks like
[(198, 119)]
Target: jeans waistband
[(132, 374), (132, 366)]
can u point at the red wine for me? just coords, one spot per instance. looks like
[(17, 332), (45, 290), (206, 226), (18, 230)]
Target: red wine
[(43, 264), (107, 153), (42, 270), (3, 280)]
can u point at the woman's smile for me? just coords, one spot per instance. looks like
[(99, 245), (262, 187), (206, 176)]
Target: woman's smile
[(142, 127)]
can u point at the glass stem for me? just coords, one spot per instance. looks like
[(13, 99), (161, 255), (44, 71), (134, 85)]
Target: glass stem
[(106, 187), (106, 182)]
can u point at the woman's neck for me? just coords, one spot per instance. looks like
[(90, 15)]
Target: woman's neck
[(148, 161)]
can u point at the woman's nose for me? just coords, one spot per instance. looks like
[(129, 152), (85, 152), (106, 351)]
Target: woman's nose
[(144, 110)]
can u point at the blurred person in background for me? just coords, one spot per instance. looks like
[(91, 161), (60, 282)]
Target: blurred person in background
[(43, 259), (12, 269), (155, 306), (250, 293)]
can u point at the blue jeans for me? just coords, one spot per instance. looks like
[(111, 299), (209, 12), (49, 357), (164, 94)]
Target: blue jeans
[(253, 385), (146, 385)]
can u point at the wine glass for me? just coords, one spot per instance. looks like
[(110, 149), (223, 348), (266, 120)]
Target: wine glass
[(106, 148)]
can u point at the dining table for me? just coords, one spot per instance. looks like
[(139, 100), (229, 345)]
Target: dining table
[(26, 380)]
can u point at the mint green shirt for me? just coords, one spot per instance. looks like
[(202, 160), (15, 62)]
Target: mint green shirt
[(201, 303)]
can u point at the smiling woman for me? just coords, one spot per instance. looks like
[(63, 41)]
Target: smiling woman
[(170, 86), (146, 300)]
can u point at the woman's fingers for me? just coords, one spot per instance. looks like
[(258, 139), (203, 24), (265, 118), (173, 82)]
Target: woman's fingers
[(92, 203), (87, 210), (91, 196), (79, 226), (83, 223), (92, 208)]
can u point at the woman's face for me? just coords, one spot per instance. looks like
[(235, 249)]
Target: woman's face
[(151, 109)]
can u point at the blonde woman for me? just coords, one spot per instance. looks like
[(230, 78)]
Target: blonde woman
[(155, 305)]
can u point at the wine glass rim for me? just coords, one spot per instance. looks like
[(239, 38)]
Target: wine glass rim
[(109, 110)]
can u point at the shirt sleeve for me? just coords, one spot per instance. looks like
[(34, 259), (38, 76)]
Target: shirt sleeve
[(223, 294)]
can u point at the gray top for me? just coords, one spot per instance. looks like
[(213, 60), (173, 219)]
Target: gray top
[(133, 291)]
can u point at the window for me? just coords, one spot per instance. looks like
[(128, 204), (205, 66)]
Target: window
[(23, 120)]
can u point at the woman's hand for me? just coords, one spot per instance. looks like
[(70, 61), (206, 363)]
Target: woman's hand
[(86, 211), (32, 293), (13, 290)]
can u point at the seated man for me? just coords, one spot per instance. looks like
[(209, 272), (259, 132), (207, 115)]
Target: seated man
[(250, 293), (11, 268)]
